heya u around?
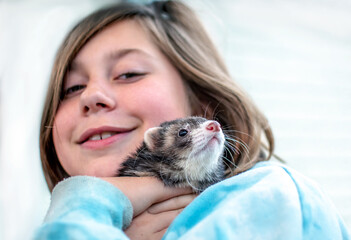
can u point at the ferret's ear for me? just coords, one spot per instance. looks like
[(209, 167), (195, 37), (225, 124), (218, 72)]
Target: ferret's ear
[(151, 137)]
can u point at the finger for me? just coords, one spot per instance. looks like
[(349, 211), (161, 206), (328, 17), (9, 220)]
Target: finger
[(166, 193), (172, 204), (143, 192), (166, 218), (146, 225), (160, 234)]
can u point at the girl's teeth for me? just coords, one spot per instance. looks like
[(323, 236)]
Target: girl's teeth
[(101, 136), (95, 137), (106, 135)]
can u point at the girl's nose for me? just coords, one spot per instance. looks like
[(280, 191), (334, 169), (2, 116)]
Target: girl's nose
[(95, 98)]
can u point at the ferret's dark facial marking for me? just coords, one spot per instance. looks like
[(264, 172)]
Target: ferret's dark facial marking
[(183, 152)]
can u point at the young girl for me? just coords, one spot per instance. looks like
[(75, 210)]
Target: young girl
[(127, 68)]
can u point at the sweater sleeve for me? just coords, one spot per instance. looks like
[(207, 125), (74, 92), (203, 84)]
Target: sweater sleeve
[(266, 202), (85, 207)]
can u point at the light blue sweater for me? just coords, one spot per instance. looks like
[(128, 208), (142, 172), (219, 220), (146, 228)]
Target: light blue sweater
[(269, 201)]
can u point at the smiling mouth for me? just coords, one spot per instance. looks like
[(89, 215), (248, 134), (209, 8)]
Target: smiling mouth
[(95, 135), (101, 136)]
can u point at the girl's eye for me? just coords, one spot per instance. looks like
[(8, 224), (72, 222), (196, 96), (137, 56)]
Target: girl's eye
[(130, 75), (72, 90), (182, 132)]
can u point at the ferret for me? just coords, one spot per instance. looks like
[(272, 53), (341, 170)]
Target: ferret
[(183, 152)]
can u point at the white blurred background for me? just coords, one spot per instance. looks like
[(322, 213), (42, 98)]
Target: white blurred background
[(292, 56)]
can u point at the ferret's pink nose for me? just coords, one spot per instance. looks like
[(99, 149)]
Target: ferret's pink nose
[(213, 126)]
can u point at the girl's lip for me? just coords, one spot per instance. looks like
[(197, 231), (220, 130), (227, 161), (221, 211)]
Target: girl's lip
[(103, 143), (84, 138)]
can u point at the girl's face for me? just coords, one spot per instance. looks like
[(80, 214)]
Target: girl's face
[(118, 86)]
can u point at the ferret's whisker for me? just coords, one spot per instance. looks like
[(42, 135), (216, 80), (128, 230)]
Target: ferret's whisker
[(244, 145), (205, 116), (231, 131), (233, 147), (228, 161), (233, 142), (230, 136), (228, 150), (215, 112)]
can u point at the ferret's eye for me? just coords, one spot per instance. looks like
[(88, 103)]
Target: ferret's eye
[(183, 132)]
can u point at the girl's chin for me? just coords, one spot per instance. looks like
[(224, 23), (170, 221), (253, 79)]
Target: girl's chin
[(102, 168)]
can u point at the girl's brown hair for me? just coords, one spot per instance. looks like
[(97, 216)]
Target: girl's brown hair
[(179, 35)]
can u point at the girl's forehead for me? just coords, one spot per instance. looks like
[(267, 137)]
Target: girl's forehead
[(118, 40), (122, 34)]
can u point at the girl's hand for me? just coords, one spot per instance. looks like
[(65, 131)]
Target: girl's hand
[(154, 205), (145, 191), (154, 222)]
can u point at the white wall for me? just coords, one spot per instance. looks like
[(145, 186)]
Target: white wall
[(30, 34), (293, 57)]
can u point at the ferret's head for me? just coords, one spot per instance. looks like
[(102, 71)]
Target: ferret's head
[(196, 143)]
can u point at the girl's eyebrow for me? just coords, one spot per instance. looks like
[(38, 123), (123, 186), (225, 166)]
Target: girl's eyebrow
[(109, 57), (117, 55)]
